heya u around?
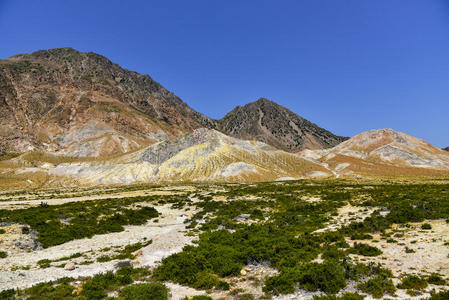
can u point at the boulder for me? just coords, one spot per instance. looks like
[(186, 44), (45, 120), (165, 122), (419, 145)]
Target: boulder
[(69, 267)]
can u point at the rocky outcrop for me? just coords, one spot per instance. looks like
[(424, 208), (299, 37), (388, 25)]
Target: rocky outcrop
[(271, 123)]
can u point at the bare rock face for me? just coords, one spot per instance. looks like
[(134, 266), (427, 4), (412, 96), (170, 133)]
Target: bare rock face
[(82, 104), (271, 123)]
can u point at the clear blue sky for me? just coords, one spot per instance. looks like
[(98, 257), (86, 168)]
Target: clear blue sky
[(347, 65)]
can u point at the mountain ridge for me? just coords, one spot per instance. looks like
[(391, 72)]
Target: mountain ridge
[(82, 104)]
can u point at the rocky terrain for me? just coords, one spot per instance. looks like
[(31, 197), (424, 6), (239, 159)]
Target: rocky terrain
[(273, 124)]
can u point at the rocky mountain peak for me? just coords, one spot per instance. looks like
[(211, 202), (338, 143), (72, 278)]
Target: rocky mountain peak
[(266, 121)]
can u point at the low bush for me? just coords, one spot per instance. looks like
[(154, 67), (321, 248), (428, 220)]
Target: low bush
[(444, 295), (200, 297), (3, 254), (361, 236), (345, 296), (8, 294), (413, 282), (245, 297), (436, 279), (365, 250), (426, 226), (145, 291), (57, 224), (329, 277), (378, 286), (58, 290)]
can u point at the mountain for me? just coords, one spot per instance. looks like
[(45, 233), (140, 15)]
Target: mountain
[(82, 104), (271, 123), (77, 118), (382, 151), (447, 149), (207, 155)]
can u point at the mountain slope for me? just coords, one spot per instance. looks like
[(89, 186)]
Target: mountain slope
[(82, 104), (271, 123), (204, 155), (447, 149), (382, 151), (210, 156)]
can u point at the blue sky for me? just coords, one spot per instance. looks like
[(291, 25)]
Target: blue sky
[(347, 65)]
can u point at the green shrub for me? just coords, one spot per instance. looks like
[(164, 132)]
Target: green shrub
[(84, 218), (144, 291), (44, 263), (426, 226), (365, 250), (3, 254), (58, 290), (223, 285), (444, 295), (206, 280), (245, 297), (361, 236), (332, 252), (436, 279), (409, 250), (98, 285), (2, 231), (345, 296), (328, 277), (413, 282), (378, 286), (8, 294)]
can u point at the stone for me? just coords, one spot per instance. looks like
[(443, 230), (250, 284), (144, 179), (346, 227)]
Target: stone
[(69, 267), (121, 264)]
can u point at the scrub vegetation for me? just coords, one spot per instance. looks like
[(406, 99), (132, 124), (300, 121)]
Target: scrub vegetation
[(57, 224), (289, 227)]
